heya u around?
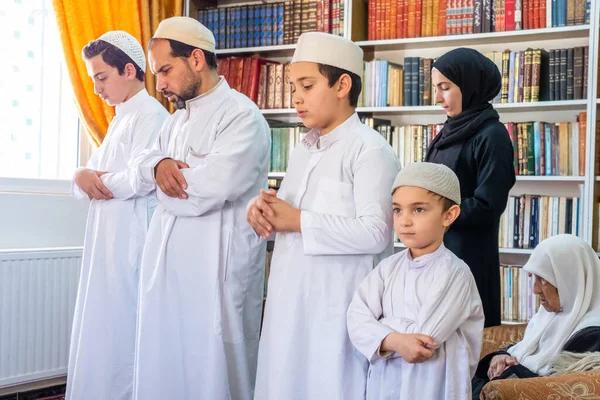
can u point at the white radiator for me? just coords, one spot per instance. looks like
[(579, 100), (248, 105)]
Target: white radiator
[(38, 289)]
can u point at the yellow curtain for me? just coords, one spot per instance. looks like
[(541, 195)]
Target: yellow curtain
[(154, 11), (82, 21)]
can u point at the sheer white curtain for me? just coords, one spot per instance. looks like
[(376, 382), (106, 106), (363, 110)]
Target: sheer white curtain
[(39, 126)]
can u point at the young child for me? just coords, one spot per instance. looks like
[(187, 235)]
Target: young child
[(418, 317), (333, 220)]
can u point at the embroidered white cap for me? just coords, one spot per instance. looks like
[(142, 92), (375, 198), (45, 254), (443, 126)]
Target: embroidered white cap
[(186, 30), (333, 50), (437, 178), (128, 45)]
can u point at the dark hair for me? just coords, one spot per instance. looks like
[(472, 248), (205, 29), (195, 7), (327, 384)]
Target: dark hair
[(333, 74), (111, 55), (183, 50), (446, 202)]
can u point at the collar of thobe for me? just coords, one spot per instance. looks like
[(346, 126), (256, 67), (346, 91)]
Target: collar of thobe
[(315, 142), (425, 259), (133, 103), (207, 99)]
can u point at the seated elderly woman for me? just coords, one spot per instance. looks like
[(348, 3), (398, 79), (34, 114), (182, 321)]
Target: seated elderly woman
[(566, 328)]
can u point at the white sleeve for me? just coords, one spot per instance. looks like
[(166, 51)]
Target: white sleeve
[(144, 135), (92, 163), (448, 304), (365, 311), (233, 165), (141, 177), (370, 231)]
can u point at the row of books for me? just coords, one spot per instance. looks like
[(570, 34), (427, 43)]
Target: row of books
[(530, 219), (263, 81), (533, 75), (272, 23), (518, 303), (542, 148), (410, 142), (391, 19), (527, 76), (284, 138), (245, 26)]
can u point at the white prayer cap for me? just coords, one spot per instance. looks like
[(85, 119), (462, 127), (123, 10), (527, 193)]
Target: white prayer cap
[(437, 178), (333, 50), (128, 45), (186, 30)]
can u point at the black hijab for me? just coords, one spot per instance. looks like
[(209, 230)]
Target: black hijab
[(479, 81)]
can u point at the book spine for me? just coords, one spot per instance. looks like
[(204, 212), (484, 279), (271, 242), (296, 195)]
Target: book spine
[(570, 73)]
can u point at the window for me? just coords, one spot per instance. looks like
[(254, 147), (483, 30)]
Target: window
[(39, 125)]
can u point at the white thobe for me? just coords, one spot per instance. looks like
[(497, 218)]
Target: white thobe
[(202, 271), (435, 295), (103, 338), (342, 183)]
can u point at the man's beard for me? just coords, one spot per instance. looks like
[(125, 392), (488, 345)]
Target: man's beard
[(190, 92)]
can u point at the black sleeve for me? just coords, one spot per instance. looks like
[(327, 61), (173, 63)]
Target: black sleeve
[(493, 153), (517, 371), (587, 339), (484, 363)]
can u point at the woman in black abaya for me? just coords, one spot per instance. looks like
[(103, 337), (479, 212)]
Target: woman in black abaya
[(477, 147)]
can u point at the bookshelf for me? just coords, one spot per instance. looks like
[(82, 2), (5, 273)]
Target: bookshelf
[(530, 35), (400, 246), (395, 50), (549, 179), (285, 50), (541, 106)]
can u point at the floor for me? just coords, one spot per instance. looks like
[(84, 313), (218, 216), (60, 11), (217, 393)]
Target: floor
[(53, 389)]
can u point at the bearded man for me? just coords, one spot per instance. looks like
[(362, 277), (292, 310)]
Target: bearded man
[(202, 270)]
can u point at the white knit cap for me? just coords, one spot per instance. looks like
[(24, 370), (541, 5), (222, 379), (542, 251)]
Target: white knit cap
[(333, 50), (128, 45), (437, 178), (186, 30)]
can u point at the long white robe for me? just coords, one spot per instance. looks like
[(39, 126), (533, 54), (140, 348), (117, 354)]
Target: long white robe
[(342, 183), (203, 266), (435, 295), (103, 337)]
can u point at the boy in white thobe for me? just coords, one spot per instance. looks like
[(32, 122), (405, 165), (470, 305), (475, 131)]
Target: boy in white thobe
[(418, 318), (202, 271), (102, 350), (333, 221)]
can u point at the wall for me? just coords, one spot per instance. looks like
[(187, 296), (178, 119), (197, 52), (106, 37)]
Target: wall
[(30, 221)]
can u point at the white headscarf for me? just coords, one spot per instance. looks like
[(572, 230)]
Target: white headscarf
[(569, 264)]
